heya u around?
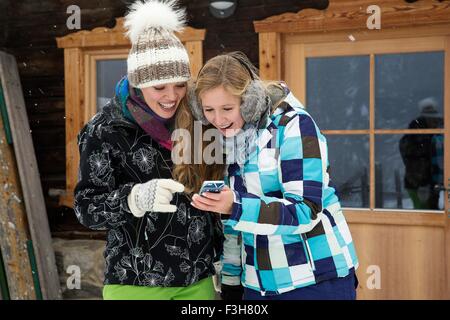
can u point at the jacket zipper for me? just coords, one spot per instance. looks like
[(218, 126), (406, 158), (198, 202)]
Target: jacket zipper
[(308, 253)]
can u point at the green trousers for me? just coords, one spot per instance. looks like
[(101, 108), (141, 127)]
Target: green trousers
[(202, 290)]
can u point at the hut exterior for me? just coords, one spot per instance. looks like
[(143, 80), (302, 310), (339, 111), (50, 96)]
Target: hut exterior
[(367, 71)]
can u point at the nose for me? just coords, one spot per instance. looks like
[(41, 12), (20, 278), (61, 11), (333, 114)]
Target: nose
[(172, 94), (219, 119)]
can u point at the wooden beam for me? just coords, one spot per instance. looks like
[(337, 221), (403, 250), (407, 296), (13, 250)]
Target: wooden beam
[(372, 172), (394, 217), (75, 108), (29, 178), (13, 225), (195, 52), (447, 156), (355, 36), (115, 37), (352, 15)]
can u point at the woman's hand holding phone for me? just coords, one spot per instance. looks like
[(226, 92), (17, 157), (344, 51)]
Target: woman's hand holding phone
[(215, 202)]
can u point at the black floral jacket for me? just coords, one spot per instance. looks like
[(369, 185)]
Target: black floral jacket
[(159, 249)]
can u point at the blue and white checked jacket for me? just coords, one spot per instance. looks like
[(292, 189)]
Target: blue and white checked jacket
[(287, 229)]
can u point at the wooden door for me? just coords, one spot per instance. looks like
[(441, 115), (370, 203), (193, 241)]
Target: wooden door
[(383, 105)]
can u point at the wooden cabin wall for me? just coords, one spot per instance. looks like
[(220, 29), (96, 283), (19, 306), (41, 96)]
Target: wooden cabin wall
[(28, 29)]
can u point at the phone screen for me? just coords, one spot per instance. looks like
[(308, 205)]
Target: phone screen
[(212, 186)]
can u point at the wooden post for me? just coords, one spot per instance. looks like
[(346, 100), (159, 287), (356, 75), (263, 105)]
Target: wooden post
[(446, 167), (195, 51), (13, 225), (269, 56), (29, 178), (73, 66)]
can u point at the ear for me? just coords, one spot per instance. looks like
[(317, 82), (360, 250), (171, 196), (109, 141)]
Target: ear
[(195, 104)]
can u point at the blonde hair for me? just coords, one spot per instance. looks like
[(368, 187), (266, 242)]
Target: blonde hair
[(192, 174), (234, 72)]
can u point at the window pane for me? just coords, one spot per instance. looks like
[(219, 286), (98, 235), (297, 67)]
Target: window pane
[(409, 90), (349, 163), (409, 171), (337, 91), (109, 73)]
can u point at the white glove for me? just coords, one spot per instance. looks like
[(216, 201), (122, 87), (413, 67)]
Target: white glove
[(154, 195)]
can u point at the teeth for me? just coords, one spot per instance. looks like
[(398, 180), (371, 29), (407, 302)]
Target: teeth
[(223, 127), (167, 105)]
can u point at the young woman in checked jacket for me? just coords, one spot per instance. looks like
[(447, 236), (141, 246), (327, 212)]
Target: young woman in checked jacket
[(286, 235)]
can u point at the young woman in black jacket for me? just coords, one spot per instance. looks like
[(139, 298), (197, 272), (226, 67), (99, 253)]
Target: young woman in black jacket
[(158, 245)]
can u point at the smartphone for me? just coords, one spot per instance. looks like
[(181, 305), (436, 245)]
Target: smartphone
[(212, 186)]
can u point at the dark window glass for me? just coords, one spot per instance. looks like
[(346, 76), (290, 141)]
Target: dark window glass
[(409, 90), (409, 171), (349, 168), (109, 72), (337, 91)]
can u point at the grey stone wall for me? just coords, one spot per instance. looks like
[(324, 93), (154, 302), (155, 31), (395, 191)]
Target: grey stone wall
[(87, 255)]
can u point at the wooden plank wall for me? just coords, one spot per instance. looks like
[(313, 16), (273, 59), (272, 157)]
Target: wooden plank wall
[(29, 29)]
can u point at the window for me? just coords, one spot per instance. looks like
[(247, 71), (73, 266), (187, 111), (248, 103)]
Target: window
[(109, 73), (408, 99)]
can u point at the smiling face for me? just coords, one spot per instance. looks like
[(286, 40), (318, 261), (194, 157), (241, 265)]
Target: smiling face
[(164, 99), (222, 110)]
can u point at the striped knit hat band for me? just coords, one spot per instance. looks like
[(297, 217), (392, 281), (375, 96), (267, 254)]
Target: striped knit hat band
[(157, 56)]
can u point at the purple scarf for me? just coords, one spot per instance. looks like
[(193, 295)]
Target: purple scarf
[(136, 107)]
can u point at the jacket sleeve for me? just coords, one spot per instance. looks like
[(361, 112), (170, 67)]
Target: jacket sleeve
[(100, 203), (231, 257), (301, 172)]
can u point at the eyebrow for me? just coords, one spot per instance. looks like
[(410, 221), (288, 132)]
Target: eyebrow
[(163, 85), (224, 105)]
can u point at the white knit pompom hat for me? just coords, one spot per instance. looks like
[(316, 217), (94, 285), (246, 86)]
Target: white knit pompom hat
[(157, 56)]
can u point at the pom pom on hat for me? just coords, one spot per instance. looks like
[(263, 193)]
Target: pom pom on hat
[(157, 56), (154, 14)]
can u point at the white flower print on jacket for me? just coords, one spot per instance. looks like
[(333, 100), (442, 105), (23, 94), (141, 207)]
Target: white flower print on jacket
[(144, 158)]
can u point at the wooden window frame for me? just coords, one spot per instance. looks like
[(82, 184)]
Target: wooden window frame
[(81, 52), (295, 51)]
